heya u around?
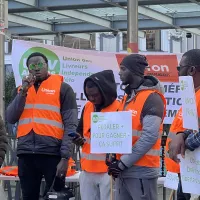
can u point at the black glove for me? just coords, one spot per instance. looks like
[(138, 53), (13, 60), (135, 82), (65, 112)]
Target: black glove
[(78, 139), (115, 168), (110, 158)]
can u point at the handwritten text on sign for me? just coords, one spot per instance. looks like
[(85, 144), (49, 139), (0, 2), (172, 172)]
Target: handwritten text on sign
[(190, 172), (111, 132), (190, 119), (171, 181)]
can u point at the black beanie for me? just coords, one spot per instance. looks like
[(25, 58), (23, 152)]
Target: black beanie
[(136, 63)]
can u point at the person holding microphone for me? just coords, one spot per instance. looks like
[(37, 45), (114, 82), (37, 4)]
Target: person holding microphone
[(46, 111)]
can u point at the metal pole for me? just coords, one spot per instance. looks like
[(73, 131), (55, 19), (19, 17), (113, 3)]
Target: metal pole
[(2, 67), (132, 26)]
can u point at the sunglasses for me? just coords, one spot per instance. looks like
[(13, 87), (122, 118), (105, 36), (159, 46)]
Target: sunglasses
[(40, 65), (181, 67)]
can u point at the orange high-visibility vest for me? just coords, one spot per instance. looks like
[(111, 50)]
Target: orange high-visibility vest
[(152, 157), (93, 162), (13, 170), (71, 168), (9, 171), (177, 126), (42, 110)]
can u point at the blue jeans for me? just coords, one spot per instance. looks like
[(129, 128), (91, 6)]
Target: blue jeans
[(181, 195)]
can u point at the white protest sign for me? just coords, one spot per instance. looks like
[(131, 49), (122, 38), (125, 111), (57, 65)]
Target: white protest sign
[(111, 132), (187, 92), (190, 172), (171, 181)]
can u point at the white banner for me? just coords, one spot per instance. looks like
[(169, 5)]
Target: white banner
[(76, 65)]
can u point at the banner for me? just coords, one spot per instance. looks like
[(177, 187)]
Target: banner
[(76, 65)]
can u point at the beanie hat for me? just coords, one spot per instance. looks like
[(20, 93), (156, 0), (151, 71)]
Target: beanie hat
[(136, 63)]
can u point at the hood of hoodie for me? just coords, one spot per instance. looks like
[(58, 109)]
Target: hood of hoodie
[(151, 83), (105, 81)]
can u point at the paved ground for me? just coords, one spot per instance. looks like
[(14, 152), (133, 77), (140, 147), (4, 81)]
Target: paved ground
[(3, 195), (160, 193)]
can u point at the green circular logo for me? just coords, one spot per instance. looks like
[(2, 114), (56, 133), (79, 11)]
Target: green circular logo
[(95, 118), (53, 60)]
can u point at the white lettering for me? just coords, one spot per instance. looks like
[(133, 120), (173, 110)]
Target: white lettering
[(157, 68), (48, 91)]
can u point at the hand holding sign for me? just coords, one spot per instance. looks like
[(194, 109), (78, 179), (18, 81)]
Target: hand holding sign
[(190, 164), (111, 132)]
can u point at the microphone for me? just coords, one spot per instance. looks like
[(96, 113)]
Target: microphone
[(24, 86), (26, 83)]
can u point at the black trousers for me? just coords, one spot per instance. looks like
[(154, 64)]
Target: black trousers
[(32, 168)]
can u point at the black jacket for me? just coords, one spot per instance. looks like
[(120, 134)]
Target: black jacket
[(105, 81), (3, 141), (37, 144)]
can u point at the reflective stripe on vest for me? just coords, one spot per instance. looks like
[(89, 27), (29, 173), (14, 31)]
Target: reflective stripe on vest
[(43, 107), (41, 121), (153, 152)]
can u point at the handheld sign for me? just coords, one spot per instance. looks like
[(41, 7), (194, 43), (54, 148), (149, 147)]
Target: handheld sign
[(171, 181), (190, 117), (190, 165), (111, 132), (190, 172)]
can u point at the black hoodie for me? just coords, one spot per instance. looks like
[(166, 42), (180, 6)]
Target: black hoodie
[(105, 81)]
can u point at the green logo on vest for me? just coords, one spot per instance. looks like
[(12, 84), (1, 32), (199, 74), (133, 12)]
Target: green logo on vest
[(53, 60)]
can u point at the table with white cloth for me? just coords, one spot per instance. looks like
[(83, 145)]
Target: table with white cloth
[(71, 180)]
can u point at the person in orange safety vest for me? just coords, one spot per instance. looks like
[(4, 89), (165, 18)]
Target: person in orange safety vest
[(172, 166), (46, 111), (101, 91), (136, 174), (189, 66)]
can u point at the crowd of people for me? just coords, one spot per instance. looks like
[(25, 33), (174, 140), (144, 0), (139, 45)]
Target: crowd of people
[(45, 108)]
